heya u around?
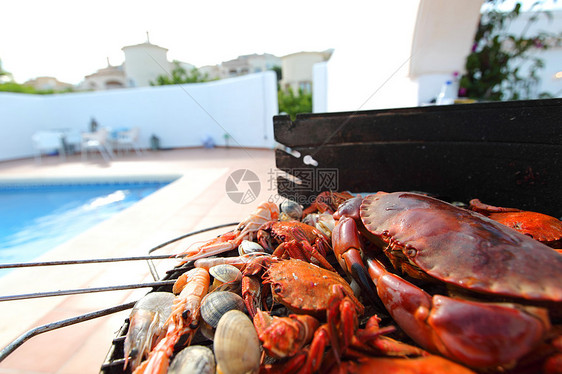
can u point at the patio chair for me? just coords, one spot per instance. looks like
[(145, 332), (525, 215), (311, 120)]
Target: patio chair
[(128, 140), (47, 142), (97, 141), (72, 141)]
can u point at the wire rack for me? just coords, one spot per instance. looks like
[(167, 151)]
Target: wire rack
[(114, 359)]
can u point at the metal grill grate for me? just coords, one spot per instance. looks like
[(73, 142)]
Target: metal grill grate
[(115, 355)]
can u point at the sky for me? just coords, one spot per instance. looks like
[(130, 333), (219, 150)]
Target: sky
[(69, 39)]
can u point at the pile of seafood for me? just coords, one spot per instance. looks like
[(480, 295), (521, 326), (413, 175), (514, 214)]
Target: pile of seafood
[(389, 282)]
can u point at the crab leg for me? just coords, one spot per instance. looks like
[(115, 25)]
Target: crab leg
[(385, 365), (251, 285), (340, 327), (459, 329), (342, 333), (284, 336), (347, 247), (302, 251)]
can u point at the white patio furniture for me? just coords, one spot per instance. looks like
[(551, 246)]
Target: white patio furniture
[(72, 141), (128, 141), (96, 141), (47, 142)]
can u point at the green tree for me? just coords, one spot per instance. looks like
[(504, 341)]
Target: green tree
[(22, 88), (502, 65), (279, 72), (292, 103), (2, 71), (11, 86), (180, 75), (4, 75)]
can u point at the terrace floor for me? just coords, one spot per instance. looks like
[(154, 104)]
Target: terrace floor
[(197, 200)]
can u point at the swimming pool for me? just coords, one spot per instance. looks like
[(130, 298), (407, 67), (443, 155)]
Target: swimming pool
[(36, 218)]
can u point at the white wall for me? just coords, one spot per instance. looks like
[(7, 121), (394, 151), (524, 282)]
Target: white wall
[(320, 87), (397, 54), (369, 66), (180, 115)]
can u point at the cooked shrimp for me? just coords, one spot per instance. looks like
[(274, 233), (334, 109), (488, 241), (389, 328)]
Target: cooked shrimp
[(246, 229), (145, 325), (183, 321)]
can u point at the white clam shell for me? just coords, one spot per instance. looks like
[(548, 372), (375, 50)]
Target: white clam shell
[(236, 344), (207, 330), (291, 210), (247, 247), (226, 273), (217, 303), (196, 359), (226, 278), (326, 224)]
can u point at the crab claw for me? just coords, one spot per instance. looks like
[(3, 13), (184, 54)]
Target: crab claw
[(251, 285), (479, 335), (284, 336), (347, 248), (341, 324)]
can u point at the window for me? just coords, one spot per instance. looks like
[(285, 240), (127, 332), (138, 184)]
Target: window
[(113, 84), (306, 86)]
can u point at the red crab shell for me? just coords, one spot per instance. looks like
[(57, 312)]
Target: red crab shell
[(544, 228), (461, 247), (304, 287)]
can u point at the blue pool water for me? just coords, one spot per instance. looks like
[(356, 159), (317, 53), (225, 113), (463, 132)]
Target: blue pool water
[(35, 219)]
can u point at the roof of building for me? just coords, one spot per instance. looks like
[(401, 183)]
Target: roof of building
[(144, 45)]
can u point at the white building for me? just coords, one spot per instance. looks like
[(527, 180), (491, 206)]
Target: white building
[(247, 64), (297, 69), (212, 71), (185, 65), (48, 83), (144, 62), (107, 78)]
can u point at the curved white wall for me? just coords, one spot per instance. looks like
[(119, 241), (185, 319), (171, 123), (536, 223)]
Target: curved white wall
[(180, 115)]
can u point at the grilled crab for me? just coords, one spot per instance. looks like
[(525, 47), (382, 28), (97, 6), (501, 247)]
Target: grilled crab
[(430, 239), (303, 288), (544, 228), (314, 294), (293, 239)]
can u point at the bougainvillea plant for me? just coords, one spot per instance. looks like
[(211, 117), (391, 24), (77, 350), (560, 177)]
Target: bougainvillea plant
[(503, 65)]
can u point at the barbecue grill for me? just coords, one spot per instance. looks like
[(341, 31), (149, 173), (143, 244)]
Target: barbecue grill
[(505, 154)]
